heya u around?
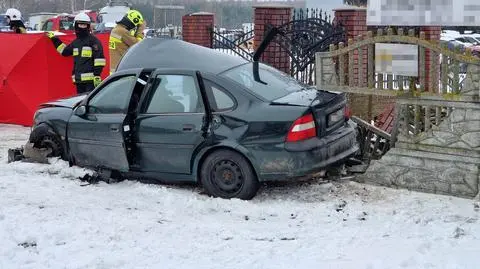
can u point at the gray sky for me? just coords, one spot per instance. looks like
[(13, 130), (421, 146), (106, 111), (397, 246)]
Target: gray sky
[(324, 4)]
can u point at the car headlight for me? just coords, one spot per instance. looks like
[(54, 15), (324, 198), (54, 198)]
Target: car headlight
[(35, 115)]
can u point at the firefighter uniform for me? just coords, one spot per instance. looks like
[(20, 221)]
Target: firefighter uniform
[(124, 35), (88, 59)]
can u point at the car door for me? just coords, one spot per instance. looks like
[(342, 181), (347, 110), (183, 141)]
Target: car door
[(172, 122), (96, 130)]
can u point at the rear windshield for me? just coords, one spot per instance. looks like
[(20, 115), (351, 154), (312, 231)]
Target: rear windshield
[(278, 84)]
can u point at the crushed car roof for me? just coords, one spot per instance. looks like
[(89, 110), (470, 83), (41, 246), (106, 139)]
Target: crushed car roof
[(177, 54)]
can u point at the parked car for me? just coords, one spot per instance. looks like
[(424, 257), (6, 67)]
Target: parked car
[(149, 33), (61, 23), (4, 24), (175, 111)]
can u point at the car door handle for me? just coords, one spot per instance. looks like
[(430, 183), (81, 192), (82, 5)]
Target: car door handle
[(188, 127), (114, 128)]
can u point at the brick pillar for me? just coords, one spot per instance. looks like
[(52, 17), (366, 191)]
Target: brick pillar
[(431, 33), (196, 28), (354, 20), (275, 15)]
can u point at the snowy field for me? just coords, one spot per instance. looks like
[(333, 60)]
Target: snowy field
[(49, 220)]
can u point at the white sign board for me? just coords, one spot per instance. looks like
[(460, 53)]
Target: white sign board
[(396, 59), (423, 12)]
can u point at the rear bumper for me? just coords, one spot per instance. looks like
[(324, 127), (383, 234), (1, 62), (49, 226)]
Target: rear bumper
[(295, 160)]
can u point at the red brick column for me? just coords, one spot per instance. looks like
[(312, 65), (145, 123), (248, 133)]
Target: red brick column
[(275, 15), (196, 28), (354, 20), (431, 33)]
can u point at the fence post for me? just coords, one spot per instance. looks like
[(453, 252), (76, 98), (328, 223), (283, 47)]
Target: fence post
[(332, 61), (421, 68), (400, 78), (275, 15), (380, 75), (371, 62), (432, 33), (360, 76), (197, 27), (351, 63), (341, 65)]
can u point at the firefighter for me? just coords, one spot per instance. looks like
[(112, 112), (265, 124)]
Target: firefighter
[(87, 52), (127, 32), (14, 19)]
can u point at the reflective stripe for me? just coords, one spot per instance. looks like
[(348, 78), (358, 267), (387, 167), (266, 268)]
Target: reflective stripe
[(86, 76), (139, 39), (87, 52), (115, 35), (112, 45), (112, 42), (61, 48), (100, 62), (75, 52)]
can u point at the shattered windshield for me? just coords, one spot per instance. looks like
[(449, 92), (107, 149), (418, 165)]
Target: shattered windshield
[(278, 84)]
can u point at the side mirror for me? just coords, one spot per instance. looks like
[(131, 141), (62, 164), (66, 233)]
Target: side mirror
[(80, 111)]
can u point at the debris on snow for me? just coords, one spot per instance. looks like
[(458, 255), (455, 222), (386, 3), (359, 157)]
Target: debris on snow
[(459, 232), (91, 227), (28, 244)]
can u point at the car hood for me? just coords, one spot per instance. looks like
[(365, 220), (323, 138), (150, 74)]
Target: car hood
[(306, 97), (66, 102)]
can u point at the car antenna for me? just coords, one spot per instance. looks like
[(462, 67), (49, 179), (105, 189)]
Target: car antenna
[(272, 32)]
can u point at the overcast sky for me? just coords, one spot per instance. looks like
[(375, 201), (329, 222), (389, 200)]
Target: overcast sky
[(327, 5), (330, 4)]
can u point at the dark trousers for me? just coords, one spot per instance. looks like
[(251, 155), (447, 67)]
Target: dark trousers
[(84, 87)]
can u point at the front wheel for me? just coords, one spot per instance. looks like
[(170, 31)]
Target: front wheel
[(227, 174), (44, 137)]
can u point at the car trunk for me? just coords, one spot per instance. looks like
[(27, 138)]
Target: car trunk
[(328, 108)]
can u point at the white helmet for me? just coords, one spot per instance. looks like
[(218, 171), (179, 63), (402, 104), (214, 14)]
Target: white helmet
[(82, 18), (14, 14)]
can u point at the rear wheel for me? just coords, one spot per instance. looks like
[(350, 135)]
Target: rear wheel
[(227, 174)]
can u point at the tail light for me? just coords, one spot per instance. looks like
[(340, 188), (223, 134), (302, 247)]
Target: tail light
[(302, 128), (348, 113)]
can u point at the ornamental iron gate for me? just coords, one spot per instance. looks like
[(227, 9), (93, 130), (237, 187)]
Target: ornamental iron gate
[(235, 42), (309, 32)]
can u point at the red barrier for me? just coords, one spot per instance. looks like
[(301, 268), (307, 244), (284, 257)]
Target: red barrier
[(33, 72)]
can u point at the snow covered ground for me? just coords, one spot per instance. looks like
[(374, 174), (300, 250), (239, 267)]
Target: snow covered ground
[(49, 220)]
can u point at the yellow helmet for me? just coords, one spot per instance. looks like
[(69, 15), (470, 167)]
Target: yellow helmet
[(135, 17)]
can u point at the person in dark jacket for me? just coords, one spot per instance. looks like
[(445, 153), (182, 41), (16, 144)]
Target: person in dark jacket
[(87, 52), (14, 18)]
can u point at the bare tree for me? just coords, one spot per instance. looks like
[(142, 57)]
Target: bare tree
[(88, 4), (25, 6), (358, 3)]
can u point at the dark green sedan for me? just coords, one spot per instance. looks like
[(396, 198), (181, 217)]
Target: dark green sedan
[(178, 112)]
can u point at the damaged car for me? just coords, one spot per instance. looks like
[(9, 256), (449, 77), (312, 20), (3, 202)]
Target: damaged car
[(178, 112)]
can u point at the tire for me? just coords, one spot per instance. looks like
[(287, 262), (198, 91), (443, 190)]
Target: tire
[(45, 137), (227, 174)]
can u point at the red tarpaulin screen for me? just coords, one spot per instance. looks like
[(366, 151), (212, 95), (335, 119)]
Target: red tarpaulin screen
[(33, 72)]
